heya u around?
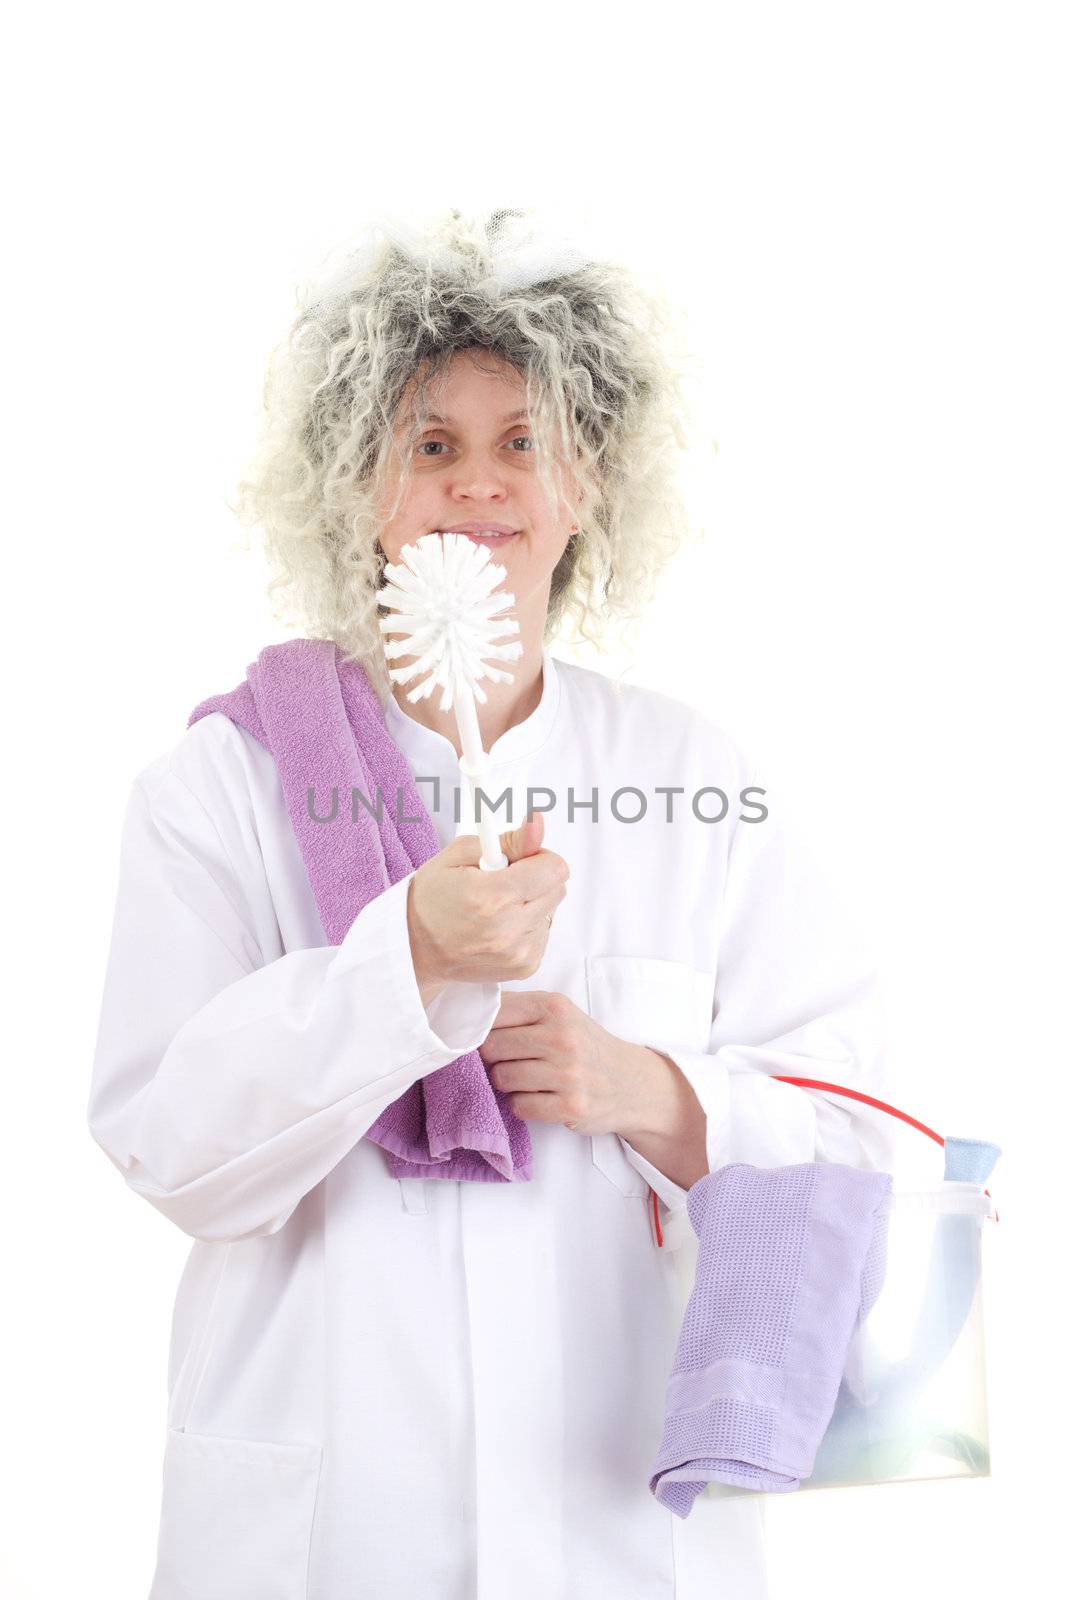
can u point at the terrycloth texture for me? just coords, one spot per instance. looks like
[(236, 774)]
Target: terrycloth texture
[(790, 1259), (321, 720)]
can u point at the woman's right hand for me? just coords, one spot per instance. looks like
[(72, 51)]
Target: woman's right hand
[(484, 927)]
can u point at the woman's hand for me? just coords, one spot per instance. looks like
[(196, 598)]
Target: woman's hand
[(556, 1064), (484, 927)]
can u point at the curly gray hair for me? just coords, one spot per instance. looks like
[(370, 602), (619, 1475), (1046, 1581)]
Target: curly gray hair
[(603, 384)]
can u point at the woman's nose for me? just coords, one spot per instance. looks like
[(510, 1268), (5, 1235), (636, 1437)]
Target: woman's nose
[(477, 482)]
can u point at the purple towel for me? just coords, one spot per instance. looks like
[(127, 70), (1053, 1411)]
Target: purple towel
[(790, 1260), (321, 720)]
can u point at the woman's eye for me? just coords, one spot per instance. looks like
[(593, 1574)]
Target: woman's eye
[(521, 438)]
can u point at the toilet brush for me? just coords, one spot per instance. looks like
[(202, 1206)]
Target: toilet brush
[(440, 596)]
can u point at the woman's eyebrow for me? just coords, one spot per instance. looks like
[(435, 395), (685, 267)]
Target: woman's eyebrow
[(512, 416)]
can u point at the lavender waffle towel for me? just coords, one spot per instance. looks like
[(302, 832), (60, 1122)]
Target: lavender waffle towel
[(790, 1259), (321, 720)]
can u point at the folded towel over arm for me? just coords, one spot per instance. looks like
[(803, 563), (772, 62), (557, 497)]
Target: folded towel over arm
[(790, 1260)]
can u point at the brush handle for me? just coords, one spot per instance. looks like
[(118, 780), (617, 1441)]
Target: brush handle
[(474, 766)]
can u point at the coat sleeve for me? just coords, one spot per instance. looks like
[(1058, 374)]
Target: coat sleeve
[(225, 1088), (796, 993)]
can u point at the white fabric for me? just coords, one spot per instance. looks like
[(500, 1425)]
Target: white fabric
[(386, 1389)]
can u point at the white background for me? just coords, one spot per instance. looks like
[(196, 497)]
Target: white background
[(861, 209)]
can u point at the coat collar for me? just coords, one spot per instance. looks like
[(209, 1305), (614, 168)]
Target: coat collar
[(515, 744)]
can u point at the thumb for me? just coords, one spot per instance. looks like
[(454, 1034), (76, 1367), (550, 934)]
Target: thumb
[(526, 839)]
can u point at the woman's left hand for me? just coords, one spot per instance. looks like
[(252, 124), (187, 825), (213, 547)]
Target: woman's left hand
[(555, 1064)]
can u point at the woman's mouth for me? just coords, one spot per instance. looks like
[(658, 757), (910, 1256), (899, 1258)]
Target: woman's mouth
[(493, 540)]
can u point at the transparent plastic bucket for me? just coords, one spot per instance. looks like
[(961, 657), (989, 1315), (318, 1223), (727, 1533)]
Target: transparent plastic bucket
[(913, 1400)]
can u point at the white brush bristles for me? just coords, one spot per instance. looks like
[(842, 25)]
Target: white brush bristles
[(441, 600)]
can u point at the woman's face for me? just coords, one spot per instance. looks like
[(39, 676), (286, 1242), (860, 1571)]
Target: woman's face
[(475, 466)]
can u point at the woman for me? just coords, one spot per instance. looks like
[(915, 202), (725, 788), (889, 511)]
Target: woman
[(384, 1385)]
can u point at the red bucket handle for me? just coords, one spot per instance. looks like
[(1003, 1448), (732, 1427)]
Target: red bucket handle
[(854, 1094)]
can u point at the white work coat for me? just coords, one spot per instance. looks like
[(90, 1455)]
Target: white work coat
[(383, 1389)]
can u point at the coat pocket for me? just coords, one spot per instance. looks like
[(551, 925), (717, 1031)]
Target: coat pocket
[(236, 1519), (646, 1000)]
